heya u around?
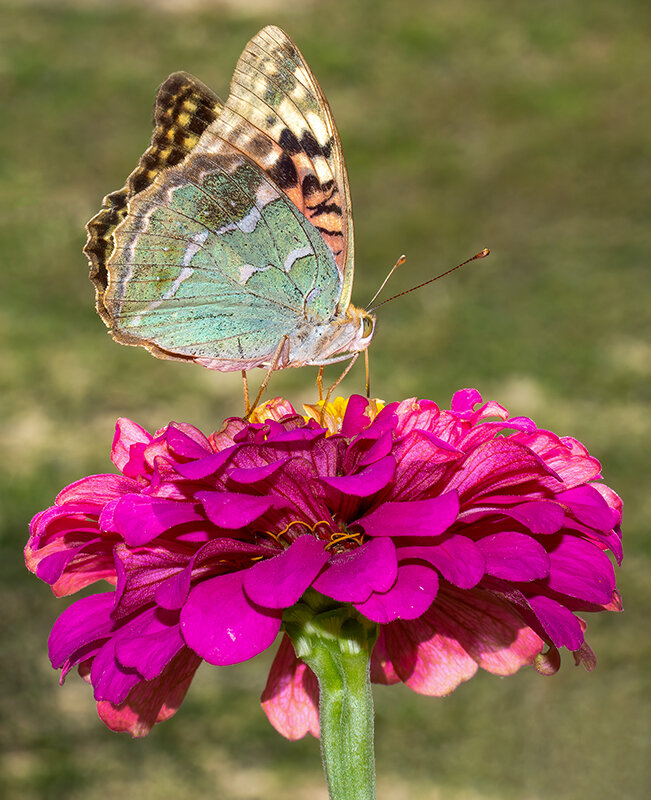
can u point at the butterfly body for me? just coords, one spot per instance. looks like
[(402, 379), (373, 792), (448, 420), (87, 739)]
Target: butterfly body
[(231, 243)]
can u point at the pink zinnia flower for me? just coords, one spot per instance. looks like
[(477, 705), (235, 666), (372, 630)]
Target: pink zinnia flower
[(470, 538)]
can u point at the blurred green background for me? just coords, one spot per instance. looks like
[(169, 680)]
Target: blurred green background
[(521, 126)]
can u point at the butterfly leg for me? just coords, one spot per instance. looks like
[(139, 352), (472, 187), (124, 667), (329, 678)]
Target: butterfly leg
[(349, 366), (284, 344), (319, 383), (245, 386), (368, 374)]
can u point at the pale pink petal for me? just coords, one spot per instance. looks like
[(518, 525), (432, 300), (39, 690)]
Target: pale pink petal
[(97, 490), (127, 433), (427, 661), (382, 670), (488, 629), (291, 697)]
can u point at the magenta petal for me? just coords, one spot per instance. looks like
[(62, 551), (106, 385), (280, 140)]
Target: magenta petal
[(589, 507), (111, 681), (497, 464), (580, 569), (350, 577), (82, 623), (206, 466), (232, 510), (367, 482), (458, 559), (280, 581), (141, 572), (251, 475), (150, 651), (514, 556), (355, 418), (563, 628), (172, 592), (220, 624), (412, 594), (380, 447), (140, 518), (415, 518), (464, 400), (540, 516), (51, 567)]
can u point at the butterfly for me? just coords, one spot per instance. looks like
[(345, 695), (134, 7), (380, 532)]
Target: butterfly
[(231, 244)]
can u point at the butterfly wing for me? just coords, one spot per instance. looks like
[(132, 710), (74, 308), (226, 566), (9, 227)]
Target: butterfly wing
[(278, 112), (215, 265), (184, 108), (231, 233)]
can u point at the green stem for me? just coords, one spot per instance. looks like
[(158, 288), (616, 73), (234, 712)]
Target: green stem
[(336, 643)]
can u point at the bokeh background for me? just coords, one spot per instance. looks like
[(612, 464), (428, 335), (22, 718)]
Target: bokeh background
[(521, 126)]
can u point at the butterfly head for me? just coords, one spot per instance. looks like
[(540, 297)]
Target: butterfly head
[(364, 325)]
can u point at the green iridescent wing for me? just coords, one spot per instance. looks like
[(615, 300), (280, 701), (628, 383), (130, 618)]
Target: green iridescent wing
[(241, 236)]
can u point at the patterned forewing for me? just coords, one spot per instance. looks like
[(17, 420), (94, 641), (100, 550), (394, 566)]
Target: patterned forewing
[(278, 116)]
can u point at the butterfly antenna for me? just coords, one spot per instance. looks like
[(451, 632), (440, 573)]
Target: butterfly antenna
[(482, 254), (400, 261)]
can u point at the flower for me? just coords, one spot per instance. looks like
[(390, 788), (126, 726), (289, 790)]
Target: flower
[(470, 538)]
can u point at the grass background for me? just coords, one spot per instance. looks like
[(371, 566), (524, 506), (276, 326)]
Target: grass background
[(515, 125)]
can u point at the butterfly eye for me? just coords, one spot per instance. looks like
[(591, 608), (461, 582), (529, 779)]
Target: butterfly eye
[(368, 323)]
